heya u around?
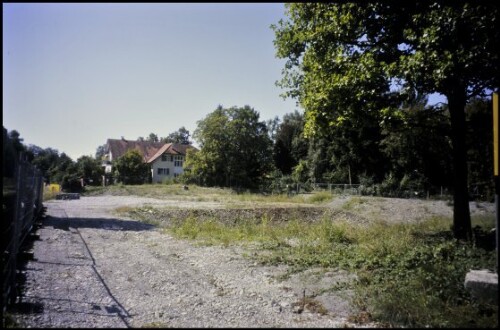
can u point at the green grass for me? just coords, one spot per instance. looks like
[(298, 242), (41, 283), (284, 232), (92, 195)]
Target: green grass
[(408, 274), (200, 194), (321, 197), (353, 202), (155, 190), (279, 198)]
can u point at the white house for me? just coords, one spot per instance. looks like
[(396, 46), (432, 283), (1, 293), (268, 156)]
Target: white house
[(168, 161), (165, 159)]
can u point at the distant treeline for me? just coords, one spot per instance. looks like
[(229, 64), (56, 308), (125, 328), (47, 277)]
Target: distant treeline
[(410, 149)]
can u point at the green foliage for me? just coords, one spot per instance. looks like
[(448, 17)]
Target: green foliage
[(420, 283), (16, 140), (341, 54), (320, 197), (347, 150), (90, 170), (300, 172), (71, 180), (180, 136), (64, 166), (100, 152), (49, 162), (480, 149), (416, 140), (235, 149), (346, 60), (290, 146), (131, 169), (10, 155), (152, 137)]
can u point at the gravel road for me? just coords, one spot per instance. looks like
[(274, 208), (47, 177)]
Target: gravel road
[(92, 268)]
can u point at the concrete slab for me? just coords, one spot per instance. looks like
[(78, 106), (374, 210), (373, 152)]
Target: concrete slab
[(483, 285)]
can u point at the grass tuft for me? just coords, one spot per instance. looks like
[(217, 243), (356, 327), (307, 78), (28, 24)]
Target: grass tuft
[(320, 197)]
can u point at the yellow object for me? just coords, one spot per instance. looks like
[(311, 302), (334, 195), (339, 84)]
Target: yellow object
[(54, 187)]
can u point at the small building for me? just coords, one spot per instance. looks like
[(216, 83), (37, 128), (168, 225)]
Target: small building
[(165, 159), (168, 161)]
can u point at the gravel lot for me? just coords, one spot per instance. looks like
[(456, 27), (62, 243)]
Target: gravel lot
[(92, 268)]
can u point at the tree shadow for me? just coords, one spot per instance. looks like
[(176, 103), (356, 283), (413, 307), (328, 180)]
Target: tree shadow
[(26, 308), (96, 223)]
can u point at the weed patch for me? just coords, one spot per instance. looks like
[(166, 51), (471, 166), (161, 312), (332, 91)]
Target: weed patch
[(320, 197), (408, 274)]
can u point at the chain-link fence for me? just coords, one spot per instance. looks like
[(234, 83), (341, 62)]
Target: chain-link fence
[(383, 191), (22, 204), (360, 189)]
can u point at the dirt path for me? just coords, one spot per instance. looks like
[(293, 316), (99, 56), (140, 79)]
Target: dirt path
[(93, 269)]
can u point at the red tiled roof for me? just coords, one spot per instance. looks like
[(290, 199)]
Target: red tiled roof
[(149, 150), (119, 147), (171, 148)]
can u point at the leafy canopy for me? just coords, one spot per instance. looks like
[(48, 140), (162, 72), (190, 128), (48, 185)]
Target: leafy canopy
[(236, 150), (343, 57)]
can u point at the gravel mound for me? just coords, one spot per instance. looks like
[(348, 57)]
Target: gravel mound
[(247, 215), (402, 210)]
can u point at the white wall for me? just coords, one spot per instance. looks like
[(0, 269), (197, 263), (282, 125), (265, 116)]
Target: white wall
[(158, 163)]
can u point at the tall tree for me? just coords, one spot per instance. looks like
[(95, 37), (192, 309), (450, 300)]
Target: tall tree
[(290, 146), (180, 136), (63, 170), (152, 138), (235, 149), (480, 148), (46, 160), (17, 141), (272, 127), (90, 170), (100, 152), (349, 57), (416, 140), (9, 155)]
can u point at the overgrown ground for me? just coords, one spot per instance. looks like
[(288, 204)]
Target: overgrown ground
[(410, 272)]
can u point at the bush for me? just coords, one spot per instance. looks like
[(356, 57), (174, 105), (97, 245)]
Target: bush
[(131, 169)]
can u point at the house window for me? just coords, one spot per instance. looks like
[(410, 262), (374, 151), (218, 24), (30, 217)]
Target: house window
[(164, 157), (178, 161), (163, 171)]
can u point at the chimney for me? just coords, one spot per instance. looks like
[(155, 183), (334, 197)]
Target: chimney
[(123, 138)]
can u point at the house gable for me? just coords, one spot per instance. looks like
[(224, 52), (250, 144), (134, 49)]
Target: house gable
[(152, 153), (116, 148), (164, 168)]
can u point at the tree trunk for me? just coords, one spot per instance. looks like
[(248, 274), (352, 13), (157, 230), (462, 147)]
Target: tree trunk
[(462, 228)]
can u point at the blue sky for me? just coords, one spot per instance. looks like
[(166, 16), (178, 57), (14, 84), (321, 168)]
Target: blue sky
[(77, 74)]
